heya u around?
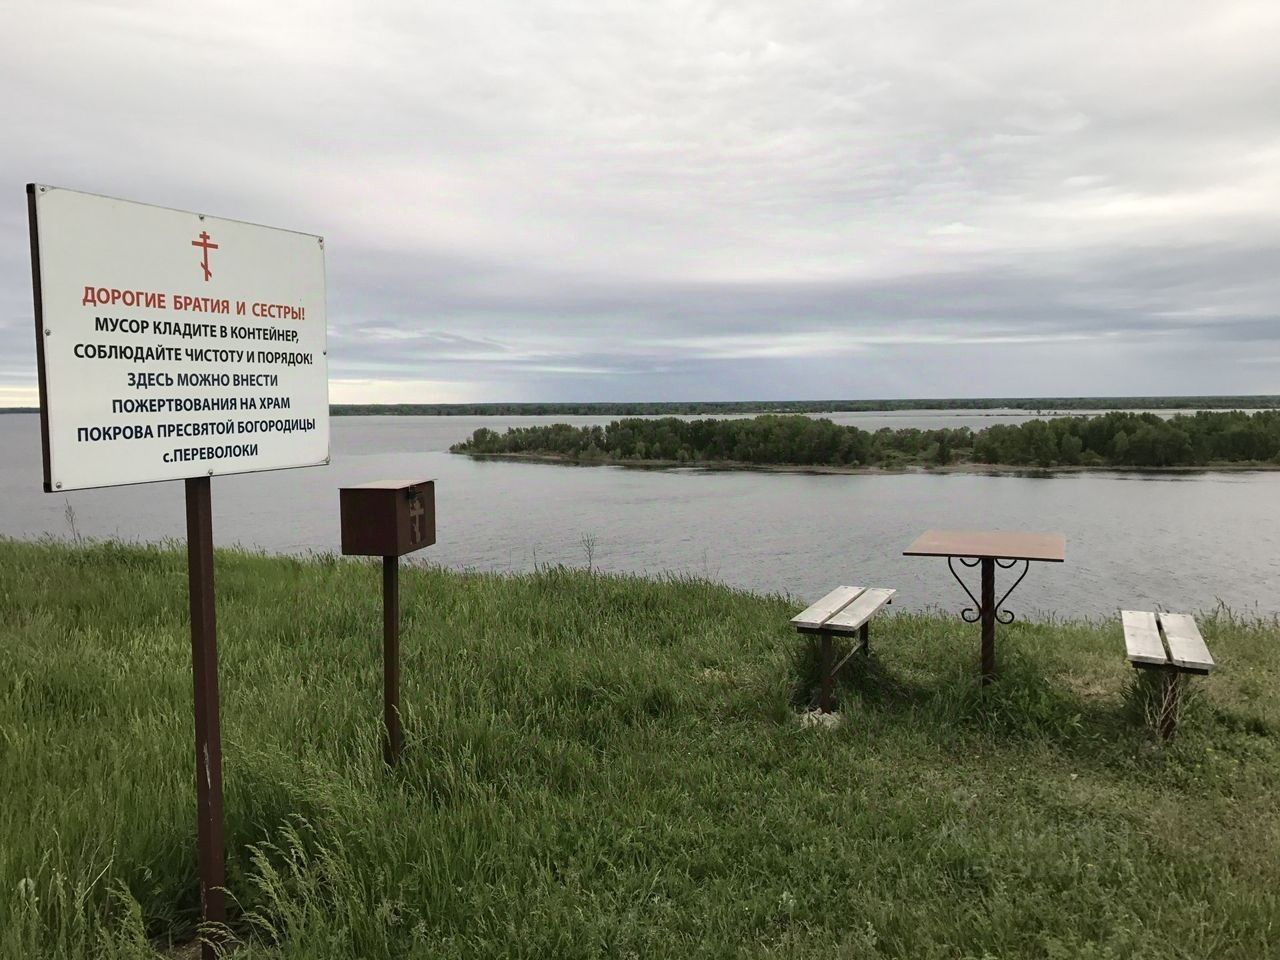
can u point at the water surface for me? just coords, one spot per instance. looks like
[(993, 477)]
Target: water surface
[(1181, 541)]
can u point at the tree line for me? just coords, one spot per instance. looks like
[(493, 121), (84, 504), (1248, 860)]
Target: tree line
[(700, 408), (1116, 439)]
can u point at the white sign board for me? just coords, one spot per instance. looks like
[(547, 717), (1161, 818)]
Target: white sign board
[(174, 344)]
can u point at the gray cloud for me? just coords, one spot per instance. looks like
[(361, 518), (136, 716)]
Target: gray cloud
[(699, 200)]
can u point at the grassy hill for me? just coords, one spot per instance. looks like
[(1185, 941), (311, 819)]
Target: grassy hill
[(600, 766)]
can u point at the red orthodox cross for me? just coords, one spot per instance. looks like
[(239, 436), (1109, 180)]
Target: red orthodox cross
[(204, 242)]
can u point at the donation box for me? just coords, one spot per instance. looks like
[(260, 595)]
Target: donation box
[(388, 518)]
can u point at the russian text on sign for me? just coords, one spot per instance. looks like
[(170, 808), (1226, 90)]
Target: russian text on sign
[(120, 374)]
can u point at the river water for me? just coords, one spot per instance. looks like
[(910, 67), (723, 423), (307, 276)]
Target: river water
[(1182, 541)]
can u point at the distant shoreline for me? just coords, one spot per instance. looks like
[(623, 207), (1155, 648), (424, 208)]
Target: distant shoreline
[(1040, 406), (989, 406), (731, 466)]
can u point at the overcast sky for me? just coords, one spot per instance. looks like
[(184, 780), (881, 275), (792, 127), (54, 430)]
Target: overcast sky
[(605, 200)]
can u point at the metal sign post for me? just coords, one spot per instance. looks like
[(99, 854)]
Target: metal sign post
[(204, 674)]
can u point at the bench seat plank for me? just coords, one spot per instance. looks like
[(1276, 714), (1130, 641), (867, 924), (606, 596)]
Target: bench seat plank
[(866, 606), (1142, 638), (1187, 649), (813, 617)]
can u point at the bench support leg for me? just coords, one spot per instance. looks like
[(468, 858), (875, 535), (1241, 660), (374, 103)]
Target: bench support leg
[(988, 615), (828, 673), (864, 637), (1170, 703)]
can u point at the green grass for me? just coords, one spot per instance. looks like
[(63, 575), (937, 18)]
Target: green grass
[(600, 766)]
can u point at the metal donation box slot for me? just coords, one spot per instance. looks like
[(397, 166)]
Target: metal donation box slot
[(388, 518)]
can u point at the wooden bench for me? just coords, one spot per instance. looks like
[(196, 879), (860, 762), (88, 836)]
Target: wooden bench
[(1170, 643), (843, 611)]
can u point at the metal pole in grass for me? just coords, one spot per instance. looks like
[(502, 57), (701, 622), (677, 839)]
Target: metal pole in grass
[(393, 737), (204, 675)]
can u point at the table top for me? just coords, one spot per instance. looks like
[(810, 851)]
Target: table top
[(1001, 544)]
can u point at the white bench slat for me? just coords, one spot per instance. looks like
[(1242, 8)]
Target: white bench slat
[(1186, 647), (813, 617), (1142, 638), (860, 611)]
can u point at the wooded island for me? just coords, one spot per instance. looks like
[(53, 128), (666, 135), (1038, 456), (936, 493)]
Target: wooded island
[(1117, 439)]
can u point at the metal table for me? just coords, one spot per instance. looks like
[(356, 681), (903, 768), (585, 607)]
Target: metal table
[(989, 549)]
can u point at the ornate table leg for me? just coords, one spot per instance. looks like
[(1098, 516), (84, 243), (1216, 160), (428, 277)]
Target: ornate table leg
[(987, 610)]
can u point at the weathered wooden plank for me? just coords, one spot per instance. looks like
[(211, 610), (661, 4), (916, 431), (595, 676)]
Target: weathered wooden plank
[(1142, 638), (1187, 648), (860, 611), (819, 613)]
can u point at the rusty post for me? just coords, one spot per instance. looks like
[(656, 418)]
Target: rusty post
[(988, 614), (204, 672), (393, 739)]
